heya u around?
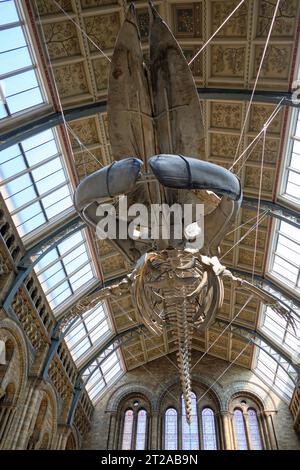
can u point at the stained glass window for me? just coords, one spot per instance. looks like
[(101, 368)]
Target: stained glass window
[(171, 441), (254, 430), (240, 432), (190, 432), (127, 430), (141, 430), (209, 430)]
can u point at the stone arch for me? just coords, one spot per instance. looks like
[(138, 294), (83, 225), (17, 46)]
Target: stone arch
[(44, 419), (13, 377), (122, 392), (216, 390), (71, 443), (259, 393)]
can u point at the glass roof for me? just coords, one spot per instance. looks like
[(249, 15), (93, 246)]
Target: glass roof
[(291, 177), (90, 330), (102, 373), (270, 372), (20, 85), (34, 182), (65, 269), (284, 262)]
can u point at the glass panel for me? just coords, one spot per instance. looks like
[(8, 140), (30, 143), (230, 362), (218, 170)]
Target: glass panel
[(254, 430), (171, 440), (141, 430), (240, 432), (19, 84), (208, 429), (190, 433), (8, 12), (127, 430)]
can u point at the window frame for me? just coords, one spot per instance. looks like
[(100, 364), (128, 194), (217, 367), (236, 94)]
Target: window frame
[(24, 24), (135, 411)]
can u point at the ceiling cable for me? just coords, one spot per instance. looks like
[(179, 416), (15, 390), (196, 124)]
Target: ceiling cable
[(257, 77)]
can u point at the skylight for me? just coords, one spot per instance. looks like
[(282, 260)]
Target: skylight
[(65, 269), (20, 87), (270, 372), (34, 182), (90, 330), (279, 329), (291, 176), (285, 255), (102, 373)]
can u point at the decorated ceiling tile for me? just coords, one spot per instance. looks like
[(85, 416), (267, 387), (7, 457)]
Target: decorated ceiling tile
[(271, 151), (225, 310), (243, 299), (276, 64), (85, 130), (249, 240), (246, 258), (226, 115), (71, 79), (88, 162), (101, 71), (187, 19), (236, 26), (260, 113), (223, 145), (228, 60), (252, 179), (114, 263), (62, 39), (248, 317), (48, 7), (249, 215), (197, 65), (97, 3), (285, 22), (103, 30)]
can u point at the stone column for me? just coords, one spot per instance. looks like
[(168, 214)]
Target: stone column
[(247, 429), (271, 434), (153, 431), (226, 422), (112, 430), (63, 432), (264, 432)]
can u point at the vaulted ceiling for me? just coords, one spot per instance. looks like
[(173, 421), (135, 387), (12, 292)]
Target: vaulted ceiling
[(77, 74)]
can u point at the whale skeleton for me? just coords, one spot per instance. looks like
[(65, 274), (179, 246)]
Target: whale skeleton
[(157, 140)]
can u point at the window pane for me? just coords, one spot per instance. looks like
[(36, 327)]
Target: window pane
[(8, 12), (208, 429), (254, 430), (240, 432), (127, 430), (190, 434), (171, 441), (141, 430)]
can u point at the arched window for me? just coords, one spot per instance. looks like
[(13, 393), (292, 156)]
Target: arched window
[(141, 430), (190, 432), (127, 430), (171, 439), (240, 431), (209, 430), (255, 436)]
